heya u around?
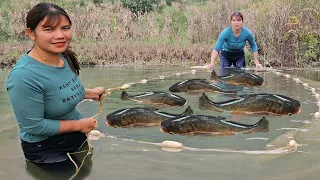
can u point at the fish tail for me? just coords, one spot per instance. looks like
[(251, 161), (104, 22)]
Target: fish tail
[(188, 111), (124, 95), (214, 76), (204, 101), (262, 125)]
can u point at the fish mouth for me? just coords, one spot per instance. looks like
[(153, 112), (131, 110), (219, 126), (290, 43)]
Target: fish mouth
[(260, 84), (297, 111), (108, 123), (164, 130)]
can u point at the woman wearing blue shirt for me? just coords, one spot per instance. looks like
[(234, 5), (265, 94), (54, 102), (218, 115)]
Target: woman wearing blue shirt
[(44, 89), (231, 43)]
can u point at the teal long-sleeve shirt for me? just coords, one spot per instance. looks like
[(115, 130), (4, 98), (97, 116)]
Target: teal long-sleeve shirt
[(228, 42), (41, 95)]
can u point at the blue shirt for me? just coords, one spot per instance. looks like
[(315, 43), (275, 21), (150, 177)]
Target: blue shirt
[(41, 95), (228, 42)]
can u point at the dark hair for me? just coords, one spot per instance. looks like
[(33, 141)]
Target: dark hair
[(236, 14), (53, 14)]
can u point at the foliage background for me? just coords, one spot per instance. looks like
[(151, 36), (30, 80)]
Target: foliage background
[(180, 32)]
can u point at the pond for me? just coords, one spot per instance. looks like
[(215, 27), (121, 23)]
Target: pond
[(123, 155)]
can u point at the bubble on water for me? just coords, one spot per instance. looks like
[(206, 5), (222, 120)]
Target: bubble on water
[(287, 76), (161, 77), (317, 114), (178, 74), (193, 71)]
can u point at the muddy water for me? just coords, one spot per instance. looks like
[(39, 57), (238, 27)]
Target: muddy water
[(121, 159)]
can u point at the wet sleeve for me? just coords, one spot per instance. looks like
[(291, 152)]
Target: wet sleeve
[(26, 96), (221, 40), (252, 42)]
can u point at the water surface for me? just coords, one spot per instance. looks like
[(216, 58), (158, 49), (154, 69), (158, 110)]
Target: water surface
[(119, 159)]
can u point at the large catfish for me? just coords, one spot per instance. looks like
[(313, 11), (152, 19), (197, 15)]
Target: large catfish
[(210, 125), (269, 104), (133, 117), (238, 78), (162, 98), (197, 85)]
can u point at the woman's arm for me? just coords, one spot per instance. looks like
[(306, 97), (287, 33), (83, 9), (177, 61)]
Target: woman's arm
[(255, 59), (254, 49), (218, 47), (214, 56), (83, 125)]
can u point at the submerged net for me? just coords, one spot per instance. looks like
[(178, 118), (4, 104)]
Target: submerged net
[(285, 143)]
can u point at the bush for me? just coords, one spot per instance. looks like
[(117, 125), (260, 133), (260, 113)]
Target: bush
[(140, 7)]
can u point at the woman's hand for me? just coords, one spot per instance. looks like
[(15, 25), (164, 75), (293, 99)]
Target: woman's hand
[(258, 66), (85, 125), (95, 93), (211, 66), (255, 60)]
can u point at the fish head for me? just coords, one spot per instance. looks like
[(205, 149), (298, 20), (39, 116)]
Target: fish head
[(118, 118), (174, 100), (284, 105), (177, 125), (256, 81), (293, 107), (114, 120)]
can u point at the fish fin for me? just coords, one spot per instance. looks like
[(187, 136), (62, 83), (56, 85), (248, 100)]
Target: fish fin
[(188, 111), (124, 95), (214, 76), (204, 101), (261, 126)]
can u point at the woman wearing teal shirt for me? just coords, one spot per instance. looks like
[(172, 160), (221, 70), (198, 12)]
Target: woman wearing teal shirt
[(44, 89), (231, 43)]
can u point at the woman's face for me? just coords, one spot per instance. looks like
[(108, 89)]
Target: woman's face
[(236, 22), (53, 38)]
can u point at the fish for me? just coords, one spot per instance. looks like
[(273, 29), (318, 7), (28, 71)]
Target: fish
[(210, 125), (156, 98), (198, 85), (264, 103), (238, 78), (139, 117)]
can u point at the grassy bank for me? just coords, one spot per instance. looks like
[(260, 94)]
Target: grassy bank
[(287, 31)]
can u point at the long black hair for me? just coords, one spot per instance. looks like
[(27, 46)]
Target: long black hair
[(53, 14)]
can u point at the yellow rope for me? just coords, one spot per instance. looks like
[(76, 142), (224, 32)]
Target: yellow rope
[(90, 148)]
